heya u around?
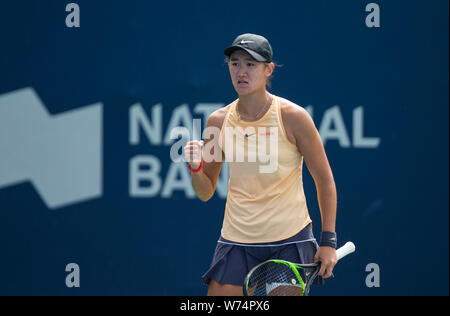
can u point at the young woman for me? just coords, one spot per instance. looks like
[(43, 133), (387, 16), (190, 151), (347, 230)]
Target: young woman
[(266, 214)]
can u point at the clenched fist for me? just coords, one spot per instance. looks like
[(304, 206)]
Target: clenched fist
[(193, 153)]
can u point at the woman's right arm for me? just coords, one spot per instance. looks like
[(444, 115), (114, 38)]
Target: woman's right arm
[(204, 182)]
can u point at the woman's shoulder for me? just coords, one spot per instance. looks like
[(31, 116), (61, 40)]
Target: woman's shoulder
[(295, 118), (289, 106), (291, 111), (217, 117)]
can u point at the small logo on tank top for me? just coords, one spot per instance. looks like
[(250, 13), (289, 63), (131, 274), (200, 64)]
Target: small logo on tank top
[(260, 134)]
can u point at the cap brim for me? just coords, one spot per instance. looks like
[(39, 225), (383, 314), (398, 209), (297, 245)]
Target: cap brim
[(230, 50)]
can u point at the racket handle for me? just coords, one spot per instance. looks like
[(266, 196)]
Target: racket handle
[(346, 249)]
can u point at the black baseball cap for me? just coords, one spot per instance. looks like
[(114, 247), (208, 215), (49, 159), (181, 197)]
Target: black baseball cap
[(256, 45)]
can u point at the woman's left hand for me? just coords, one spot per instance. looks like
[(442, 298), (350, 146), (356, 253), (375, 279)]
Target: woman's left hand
[(328, 259)]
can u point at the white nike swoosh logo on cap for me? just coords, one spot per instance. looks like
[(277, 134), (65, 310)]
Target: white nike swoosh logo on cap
[(246, 42)]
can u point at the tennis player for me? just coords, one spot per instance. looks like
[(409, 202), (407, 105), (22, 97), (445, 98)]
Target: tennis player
[(266, 214)]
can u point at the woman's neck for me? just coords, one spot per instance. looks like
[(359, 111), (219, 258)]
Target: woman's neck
[(252, 105)]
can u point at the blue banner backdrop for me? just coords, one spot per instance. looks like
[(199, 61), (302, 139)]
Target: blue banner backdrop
[(86, 114)]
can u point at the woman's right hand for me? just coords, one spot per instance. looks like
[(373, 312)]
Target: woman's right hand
[(193, 153)]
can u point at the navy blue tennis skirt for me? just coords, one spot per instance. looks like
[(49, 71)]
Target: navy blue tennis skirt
[(232, 261)]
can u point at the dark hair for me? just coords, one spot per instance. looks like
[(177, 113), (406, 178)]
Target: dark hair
[(269, 80)]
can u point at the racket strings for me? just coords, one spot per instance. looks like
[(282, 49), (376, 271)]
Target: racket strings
[(276, 279)]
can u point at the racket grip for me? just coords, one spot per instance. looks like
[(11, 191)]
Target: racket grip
[(346, 249)]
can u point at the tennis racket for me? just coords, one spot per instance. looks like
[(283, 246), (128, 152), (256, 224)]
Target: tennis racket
[(283, 278)]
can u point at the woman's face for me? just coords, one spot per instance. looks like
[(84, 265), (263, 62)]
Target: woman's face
[(247, 74)]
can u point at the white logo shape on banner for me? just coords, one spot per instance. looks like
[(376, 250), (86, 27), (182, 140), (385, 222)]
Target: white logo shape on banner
[(61, 155)]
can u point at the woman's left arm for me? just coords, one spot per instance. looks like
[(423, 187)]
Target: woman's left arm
[(307, 139)]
